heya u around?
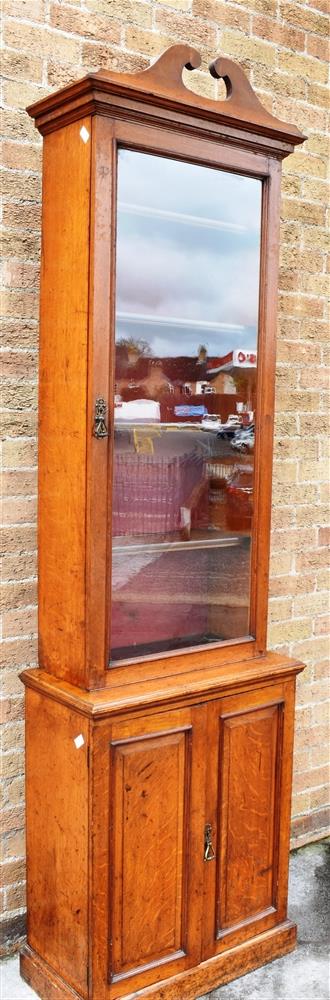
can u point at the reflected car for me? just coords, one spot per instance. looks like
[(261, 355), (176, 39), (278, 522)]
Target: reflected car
[(230, 428), (239, 499), (211, 422), (244, 439)]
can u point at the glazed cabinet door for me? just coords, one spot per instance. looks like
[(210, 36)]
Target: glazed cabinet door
[(248, 812), (151, 829)]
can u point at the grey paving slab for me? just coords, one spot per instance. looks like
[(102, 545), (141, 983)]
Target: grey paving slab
[(12, 986)]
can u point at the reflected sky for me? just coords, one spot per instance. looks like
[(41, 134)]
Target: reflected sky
[(188, 245)]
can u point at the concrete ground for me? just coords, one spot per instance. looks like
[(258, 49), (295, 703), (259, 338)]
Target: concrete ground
[(303, 975)]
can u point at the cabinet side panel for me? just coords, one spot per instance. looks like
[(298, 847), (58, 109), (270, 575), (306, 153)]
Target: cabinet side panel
[(247, 827), (62, 401), (57, 837)]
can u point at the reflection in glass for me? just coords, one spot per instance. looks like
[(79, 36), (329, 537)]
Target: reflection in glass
[(188, 247)]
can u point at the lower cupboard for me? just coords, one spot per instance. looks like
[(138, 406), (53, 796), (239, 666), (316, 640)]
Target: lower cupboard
[(160, 868)]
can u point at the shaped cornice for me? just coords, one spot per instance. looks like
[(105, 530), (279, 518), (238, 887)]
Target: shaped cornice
[(158, 96)]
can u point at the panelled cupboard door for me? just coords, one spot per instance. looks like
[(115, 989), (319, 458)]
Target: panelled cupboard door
[(248, 809), (155, 829)]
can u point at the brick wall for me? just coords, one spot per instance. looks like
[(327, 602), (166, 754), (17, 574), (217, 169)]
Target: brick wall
[(283, 47)]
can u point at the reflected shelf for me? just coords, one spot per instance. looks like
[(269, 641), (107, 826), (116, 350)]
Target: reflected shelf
[(147, 425), (195, 543), (165, 215), (198, 324), (208, 600)]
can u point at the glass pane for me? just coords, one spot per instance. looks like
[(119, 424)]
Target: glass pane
[(188, 248)]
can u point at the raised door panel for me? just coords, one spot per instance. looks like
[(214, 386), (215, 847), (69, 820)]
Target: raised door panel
[(147, 918), (151, 796), (247, 813), (248, 807)]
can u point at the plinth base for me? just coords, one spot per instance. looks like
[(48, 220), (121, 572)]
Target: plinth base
[(188, 985)]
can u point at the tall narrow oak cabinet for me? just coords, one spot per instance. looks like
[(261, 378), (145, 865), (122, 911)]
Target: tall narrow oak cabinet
[(159, 729)]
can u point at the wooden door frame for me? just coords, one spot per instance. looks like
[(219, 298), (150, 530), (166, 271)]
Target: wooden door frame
[(108, 136)]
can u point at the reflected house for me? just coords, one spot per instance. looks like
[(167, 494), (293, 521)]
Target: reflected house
[(235, 373), (154, 377), (185, 373), (143, 378), (223, 384)]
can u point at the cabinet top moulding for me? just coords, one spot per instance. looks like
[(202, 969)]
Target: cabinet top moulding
[(141, 688), (159, 95)]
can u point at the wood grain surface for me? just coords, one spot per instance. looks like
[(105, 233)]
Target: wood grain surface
[(62, 403), (57, 837)]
